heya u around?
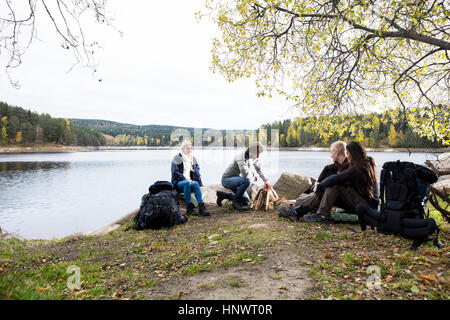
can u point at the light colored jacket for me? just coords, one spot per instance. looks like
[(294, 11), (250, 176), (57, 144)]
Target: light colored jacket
[(242, 167)]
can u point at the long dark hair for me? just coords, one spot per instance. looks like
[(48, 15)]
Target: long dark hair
[(364, 169)]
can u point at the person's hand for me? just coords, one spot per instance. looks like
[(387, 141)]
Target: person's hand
[(267, 185), (315, 186)]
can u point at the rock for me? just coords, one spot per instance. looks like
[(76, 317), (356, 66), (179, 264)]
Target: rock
[(443, 186), (104, 230), (291, 185), (211, 193), (75, 236), (126, 218), (445, 177), (214, 236), (441, 165), (258, 226)]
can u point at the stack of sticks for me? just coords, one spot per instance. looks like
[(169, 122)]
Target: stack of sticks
[(265, 199)]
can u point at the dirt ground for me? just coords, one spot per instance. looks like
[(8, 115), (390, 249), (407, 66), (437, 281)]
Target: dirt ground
[(228, 255), (279, 276)]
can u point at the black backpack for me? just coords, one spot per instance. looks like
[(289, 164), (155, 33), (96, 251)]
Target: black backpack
[(159, 208), (404, 190)]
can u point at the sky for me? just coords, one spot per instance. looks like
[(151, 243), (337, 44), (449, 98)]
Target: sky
[(158, 72)]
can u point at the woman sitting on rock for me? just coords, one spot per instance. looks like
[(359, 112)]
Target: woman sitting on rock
[(186, 178)]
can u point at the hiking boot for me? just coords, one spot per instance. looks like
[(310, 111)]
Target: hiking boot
[(315, 218), (221, 195), (183, 219), (245, 201), (202, 210), (302, 210), (190, 210), (237, 205), (289, 213)]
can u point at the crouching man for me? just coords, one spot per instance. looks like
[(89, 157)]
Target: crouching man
[(238, 177)]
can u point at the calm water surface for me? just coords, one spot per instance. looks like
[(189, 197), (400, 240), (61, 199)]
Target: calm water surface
[(54, 195)]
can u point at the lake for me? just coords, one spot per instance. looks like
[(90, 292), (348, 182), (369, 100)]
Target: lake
[(53, 195)]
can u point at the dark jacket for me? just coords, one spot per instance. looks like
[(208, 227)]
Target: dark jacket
[(333, 168), (345, 178), (178, 168)]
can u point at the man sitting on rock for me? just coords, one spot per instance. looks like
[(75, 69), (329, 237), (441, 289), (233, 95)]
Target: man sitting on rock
[(311, 201), (237, 177)]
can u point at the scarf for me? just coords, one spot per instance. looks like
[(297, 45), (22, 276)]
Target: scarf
[(188, 163)]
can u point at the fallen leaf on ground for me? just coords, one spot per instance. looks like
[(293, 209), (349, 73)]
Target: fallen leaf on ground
[(117, 294), (436, 254)]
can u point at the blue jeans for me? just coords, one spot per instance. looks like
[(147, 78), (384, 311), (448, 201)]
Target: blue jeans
[(238, 185), (185, 186)]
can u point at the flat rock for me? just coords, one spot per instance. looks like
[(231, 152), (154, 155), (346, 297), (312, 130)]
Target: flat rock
[(214, 236), (443, 186), (441, 165), (104, 230), (211, 190), (444, 177), (291, 185), (258, 226)]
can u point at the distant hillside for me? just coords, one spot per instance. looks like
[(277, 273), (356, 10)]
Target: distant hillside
[(124, 134), (115, 128), (23, 127)]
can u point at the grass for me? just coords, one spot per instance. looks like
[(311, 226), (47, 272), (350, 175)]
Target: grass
[(124, 265)]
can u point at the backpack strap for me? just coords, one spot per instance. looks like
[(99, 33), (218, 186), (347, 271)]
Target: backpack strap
[(384, 174)]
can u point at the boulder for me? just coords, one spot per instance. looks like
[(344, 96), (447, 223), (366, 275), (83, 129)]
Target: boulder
[(442, 178), (443, 186), (441, 165), (211, 192), (291, 185)]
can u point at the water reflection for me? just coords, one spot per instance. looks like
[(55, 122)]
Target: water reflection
[(26, 166)]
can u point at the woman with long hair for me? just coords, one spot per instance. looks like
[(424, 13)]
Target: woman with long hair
[(357, 184)]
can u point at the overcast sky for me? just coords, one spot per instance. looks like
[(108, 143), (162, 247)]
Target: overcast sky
[(157, 73)]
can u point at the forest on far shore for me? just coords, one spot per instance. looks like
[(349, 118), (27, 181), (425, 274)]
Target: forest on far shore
[(24, 127)]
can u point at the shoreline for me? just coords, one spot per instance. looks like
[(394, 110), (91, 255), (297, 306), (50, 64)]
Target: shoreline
[(66, 149)]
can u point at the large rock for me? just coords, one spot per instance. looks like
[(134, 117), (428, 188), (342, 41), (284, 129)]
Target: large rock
[(443, 186), (291, 185), (441, 165), (211, 192)]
